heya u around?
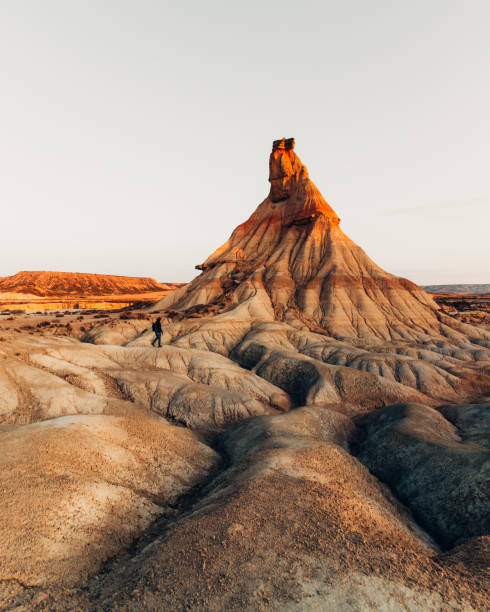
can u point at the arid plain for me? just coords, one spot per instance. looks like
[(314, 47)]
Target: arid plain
[(313, 433)]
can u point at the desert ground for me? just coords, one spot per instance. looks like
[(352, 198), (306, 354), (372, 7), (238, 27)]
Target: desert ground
[(312, 434), (468, 308)]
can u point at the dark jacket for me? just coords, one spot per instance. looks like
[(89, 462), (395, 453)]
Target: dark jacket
[(157, 327)]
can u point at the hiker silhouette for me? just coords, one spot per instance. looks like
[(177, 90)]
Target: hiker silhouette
[(157, 328)]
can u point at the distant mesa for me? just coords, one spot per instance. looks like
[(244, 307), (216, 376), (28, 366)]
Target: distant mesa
[(475, 289), (30, 290), (47, 284)]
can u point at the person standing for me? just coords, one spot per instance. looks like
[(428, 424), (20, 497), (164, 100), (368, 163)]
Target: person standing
[(157, 328)]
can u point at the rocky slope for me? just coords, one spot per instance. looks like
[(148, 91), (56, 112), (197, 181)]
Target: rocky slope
[(287, 366)]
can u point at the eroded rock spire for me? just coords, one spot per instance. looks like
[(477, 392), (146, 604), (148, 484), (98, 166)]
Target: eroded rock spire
[(291, 262), (285, 169)]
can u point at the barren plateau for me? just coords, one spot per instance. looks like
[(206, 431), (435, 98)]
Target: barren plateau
[(34, 291)]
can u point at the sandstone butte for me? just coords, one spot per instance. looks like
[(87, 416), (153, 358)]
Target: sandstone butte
[(312, 435)]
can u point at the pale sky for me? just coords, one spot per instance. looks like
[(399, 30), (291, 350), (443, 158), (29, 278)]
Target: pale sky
[(135, 135)]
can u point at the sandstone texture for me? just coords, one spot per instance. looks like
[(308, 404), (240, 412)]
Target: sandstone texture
[(76, 490), (295, 522), (312, 434)]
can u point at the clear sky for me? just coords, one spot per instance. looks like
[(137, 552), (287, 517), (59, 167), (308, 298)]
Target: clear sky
[(135, 135)]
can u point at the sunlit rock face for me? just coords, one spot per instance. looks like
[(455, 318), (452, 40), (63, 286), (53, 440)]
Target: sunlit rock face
[(29, 291), (291, 262), (68, 284), (285, 170)]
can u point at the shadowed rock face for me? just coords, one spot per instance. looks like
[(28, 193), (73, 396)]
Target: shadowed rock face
[(289, 351), (471, 420), (442, 478)]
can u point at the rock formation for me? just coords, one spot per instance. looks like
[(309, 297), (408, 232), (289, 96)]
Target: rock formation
[(434, 470), (291, 262)]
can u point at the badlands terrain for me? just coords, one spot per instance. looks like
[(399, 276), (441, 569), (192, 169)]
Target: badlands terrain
[(468, 308), (313, 434)]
